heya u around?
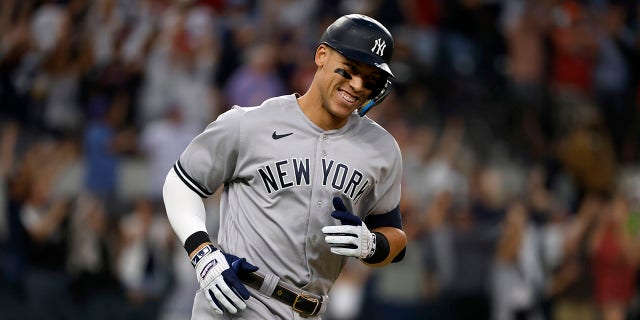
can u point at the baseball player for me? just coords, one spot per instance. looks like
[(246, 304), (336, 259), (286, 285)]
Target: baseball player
[(309, 181)]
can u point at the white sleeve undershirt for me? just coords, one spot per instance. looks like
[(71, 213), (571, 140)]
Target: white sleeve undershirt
[(185, 208)]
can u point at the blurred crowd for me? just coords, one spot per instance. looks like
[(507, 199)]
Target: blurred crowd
[(517, 119)]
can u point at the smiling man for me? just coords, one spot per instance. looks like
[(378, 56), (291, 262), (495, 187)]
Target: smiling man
[(309, 181)]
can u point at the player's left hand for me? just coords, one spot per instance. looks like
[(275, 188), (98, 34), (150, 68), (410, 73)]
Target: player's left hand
[(352, 238)]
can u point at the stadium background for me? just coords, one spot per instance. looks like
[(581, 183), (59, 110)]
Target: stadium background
[(517, 119)]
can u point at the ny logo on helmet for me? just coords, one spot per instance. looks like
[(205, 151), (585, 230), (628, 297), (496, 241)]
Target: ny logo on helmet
[(378, 47)]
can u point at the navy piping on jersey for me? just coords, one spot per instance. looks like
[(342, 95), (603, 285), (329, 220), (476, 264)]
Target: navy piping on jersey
[(192, 184)]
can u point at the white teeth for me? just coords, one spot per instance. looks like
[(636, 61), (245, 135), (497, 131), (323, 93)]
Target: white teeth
[(347, 96)]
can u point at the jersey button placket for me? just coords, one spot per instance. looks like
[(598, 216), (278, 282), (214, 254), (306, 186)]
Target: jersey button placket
[(324, 137)]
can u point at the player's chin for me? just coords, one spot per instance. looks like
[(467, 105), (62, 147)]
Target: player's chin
[(343, 109), (342, 112)]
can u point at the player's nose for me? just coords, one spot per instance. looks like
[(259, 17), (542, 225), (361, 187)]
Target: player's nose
[(357, 83)]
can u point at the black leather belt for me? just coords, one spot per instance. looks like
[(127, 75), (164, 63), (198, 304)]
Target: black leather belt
[(305, 303)]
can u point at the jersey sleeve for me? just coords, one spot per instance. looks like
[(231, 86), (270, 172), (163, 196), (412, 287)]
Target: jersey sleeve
[(210, 158), (386, 196)]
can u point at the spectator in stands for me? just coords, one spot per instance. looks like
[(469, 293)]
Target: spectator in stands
[(257, 78), (105, 142), (615, 258)]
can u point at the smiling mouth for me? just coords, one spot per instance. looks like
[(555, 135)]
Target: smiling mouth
[(347, 97)]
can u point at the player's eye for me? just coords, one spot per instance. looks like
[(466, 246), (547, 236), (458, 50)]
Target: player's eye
[(375, 83), (371, 85)]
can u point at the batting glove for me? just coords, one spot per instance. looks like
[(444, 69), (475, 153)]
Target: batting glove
[(352, 238), (217, 274)]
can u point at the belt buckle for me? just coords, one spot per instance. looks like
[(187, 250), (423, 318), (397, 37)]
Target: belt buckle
[(306, 297)]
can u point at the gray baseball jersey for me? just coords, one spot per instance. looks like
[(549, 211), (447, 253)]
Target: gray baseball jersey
[(280, 172)]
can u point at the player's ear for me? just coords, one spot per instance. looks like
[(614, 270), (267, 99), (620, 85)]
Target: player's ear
[(322, 55)]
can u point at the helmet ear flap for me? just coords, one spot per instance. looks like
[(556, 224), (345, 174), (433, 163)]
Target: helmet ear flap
[(375, 100)]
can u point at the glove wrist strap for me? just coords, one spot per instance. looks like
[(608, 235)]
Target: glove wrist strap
[(203, 251), (381, 249), (372, 242)]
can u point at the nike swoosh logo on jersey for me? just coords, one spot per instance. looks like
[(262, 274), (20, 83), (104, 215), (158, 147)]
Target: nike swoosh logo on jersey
[(276, 136)]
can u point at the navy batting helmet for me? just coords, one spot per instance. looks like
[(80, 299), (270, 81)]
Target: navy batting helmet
[(365, 40), (362, 39)]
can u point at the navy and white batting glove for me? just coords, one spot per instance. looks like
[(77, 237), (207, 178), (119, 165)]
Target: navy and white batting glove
[(217, 275), (352, 238)]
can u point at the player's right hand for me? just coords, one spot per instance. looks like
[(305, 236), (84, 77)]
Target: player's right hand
[(219, 281)]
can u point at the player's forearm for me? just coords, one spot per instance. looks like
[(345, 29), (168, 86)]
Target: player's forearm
[(185, 209), (397, 241)]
